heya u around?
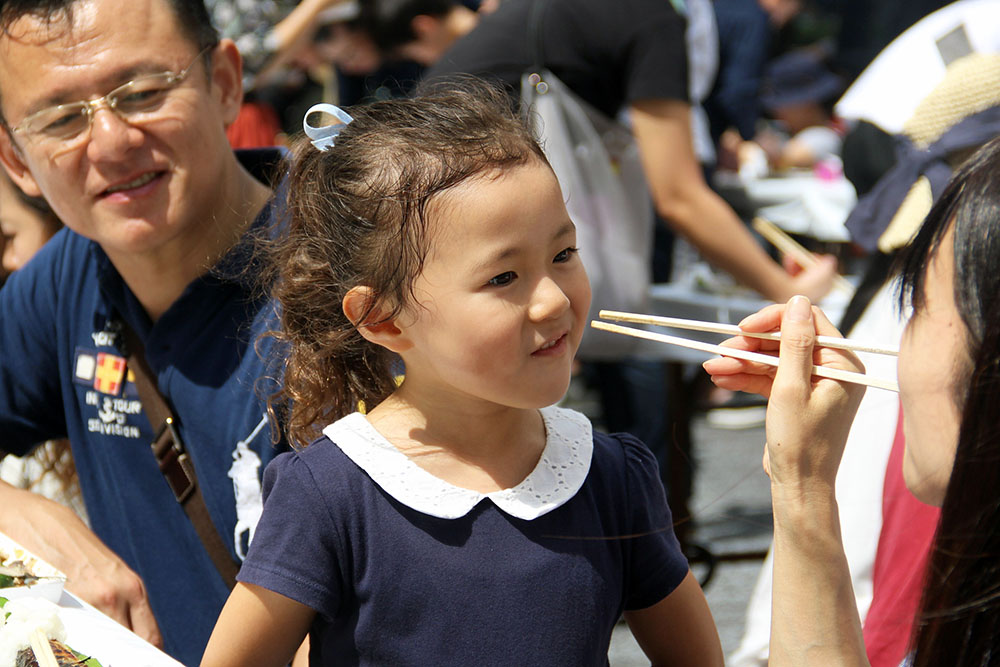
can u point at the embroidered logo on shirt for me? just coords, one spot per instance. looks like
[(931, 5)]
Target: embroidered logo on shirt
[(84, 367), (109, 374), (111, 397), (246, 487)]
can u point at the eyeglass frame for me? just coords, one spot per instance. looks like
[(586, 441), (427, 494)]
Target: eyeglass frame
[(90, 107)]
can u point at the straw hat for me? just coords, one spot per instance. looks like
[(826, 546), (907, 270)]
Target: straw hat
[(958, 116)]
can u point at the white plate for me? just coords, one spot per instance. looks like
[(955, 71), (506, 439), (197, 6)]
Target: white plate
[(50, 588)]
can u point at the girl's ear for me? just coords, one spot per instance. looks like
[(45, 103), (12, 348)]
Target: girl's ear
[(376, 327)]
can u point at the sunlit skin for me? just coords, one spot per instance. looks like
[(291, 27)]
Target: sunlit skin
[(813, 610), (933, 357), (500, 308), (24, 229)]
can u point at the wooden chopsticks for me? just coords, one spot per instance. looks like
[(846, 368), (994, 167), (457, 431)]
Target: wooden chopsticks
[(790, 246), (733, 330), (821, 371), (40, 647)]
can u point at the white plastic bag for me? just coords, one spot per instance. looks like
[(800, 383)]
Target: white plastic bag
[(597, 163)]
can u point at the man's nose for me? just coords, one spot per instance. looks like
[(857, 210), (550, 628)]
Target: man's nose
[(110, 135)]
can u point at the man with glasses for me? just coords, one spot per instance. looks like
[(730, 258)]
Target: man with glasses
[(115, 112)]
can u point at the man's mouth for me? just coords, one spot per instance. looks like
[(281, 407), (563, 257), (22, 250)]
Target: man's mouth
[(135, 183)]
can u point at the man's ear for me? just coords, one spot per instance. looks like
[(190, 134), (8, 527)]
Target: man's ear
[(13, 163), (376, 327), (227, 79)]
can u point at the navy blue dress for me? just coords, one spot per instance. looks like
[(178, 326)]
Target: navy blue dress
[(396, 586)]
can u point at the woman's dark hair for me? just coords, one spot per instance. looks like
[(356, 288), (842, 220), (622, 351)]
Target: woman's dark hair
[(357, 216), (959, 619)]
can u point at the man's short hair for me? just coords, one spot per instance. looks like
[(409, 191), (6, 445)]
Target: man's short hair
[(192, 16), (389, 22)]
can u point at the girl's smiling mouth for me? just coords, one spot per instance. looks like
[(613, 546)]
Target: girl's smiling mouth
[(552, 348)]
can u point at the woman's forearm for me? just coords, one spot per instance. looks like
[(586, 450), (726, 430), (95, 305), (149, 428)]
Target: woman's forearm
[(814, 616)]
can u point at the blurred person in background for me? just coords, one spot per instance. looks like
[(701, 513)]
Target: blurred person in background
[(270, 37), (616, 58), (798, 93), (26, 224), (747, 31)]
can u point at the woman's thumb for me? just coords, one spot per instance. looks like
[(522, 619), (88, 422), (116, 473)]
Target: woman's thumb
[(798, 335)]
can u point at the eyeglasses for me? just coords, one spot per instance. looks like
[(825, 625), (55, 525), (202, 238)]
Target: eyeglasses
[(136, 101)]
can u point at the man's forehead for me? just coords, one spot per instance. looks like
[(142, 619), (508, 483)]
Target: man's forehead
[(82, 24), (87, 46)]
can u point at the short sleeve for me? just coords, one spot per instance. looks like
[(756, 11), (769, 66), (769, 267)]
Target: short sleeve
[(656, 62), (656, 565), (296, 550)]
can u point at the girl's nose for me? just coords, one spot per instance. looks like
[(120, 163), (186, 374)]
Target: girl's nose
[(549, 300)]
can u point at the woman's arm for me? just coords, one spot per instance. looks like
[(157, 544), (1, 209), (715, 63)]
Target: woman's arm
[(678, 630), (814, 618), (257, 627), (662, 130)]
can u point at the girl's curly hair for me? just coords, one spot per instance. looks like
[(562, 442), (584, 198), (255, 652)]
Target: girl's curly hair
[(357, 216)]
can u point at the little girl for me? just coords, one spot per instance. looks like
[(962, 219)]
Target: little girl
[(460, 520)]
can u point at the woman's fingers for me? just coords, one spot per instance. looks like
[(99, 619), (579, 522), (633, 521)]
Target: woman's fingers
[(798, 336), (765, 319), (730, 367), (746, 382), (800, 329)]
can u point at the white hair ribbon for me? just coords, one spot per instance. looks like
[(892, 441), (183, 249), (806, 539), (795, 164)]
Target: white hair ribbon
[(324, 136)]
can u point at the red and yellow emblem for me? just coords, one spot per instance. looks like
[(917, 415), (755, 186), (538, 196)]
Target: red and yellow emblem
[(109, 373)]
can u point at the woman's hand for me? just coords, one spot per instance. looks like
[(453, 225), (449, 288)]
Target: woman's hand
[(814, 617), (808, 418)]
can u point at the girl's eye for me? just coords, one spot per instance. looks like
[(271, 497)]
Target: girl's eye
[(565, 255), (504, 278)]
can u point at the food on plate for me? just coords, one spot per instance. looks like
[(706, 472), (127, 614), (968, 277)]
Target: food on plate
[(22, 574), (16, 573), (59, 655), (24, 618)]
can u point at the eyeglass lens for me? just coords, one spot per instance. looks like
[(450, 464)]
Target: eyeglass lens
[(135, 97)]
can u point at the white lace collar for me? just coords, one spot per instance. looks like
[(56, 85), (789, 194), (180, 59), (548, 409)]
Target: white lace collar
[(560, 472)]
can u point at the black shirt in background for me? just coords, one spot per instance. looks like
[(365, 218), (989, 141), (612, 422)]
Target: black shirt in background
[(610, 53)]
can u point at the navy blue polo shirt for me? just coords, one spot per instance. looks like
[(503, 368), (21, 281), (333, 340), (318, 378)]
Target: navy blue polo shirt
[(61, 375)]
